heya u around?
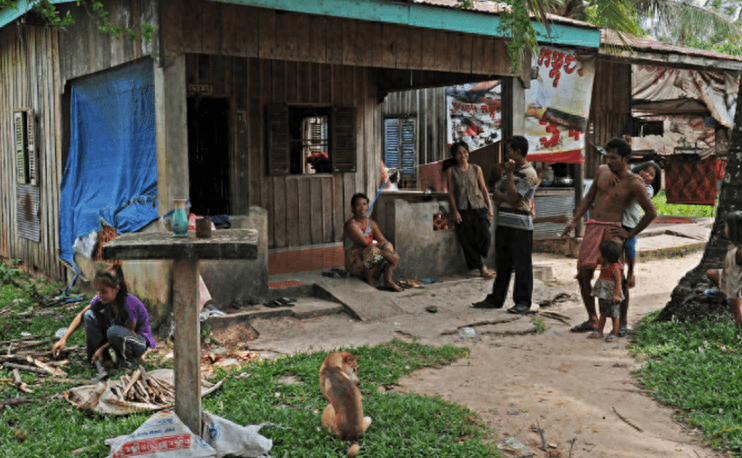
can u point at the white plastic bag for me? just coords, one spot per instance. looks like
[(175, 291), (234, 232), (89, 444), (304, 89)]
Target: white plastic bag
[(231, 439), (163, 435)]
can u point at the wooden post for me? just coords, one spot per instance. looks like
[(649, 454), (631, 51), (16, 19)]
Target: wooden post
[(187, 343), (579, 184)]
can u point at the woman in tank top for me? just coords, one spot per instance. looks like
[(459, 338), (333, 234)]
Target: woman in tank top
[(471, 208), (367, 251)]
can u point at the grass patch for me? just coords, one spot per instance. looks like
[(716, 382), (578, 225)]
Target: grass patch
[(663, 208), (403, 424), (696, 367)]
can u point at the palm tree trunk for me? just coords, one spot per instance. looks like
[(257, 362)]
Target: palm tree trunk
[(687, 302)]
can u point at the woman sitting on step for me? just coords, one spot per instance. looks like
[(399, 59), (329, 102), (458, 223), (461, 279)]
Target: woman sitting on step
[(367, 251)]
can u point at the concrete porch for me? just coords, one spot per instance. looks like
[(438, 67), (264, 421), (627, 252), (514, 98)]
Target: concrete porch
[(315, 294)]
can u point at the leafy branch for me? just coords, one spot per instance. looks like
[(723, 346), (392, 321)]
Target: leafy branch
[(96, 11)]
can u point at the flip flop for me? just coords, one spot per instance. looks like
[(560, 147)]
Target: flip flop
[(611, 338), (487, 273), (623, 331), (595, 335), (583, 327)]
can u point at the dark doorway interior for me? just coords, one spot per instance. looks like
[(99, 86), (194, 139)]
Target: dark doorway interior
[(208, 155)]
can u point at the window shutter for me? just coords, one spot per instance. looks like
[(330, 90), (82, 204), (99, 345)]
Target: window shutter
[(25, 146), (409, 148), (277, 122), (33, 171), (391, 143), (20, 150), (343, 130)]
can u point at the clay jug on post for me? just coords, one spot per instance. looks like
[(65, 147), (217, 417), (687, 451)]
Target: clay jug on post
[(180, 218)]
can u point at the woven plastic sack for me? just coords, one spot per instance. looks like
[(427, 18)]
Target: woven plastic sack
[(163, 435)]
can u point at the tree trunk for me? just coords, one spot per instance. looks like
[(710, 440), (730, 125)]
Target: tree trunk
[(687, 302)]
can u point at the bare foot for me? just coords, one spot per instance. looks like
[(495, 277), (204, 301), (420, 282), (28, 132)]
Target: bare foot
[(393, 286)]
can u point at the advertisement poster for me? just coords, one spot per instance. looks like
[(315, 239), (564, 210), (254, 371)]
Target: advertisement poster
[(558, 105), (474, 113)]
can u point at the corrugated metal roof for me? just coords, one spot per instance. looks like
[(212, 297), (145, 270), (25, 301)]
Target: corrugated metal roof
[(611, 38), (492, 7)]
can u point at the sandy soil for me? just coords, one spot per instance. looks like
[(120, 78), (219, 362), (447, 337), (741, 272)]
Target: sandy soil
[(571, 387)]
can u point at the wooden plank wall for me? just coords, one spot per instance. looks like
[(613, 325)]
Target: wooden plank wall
[(82, 50), (29, 78), (610, 108), (302, 209), (201, 27), (429, 107)]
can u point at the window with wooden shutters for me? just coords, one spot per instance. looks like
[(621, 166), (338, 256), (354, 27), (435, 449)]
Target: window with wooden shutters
[(27, 174), (277, 122), (24, 136), (400, 147), (310, 139), (344, 139)]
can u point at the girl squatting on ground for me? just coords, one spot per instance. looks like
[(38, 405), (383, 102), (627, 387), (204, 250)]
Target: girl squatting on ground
[(113, 319), (608, 289), (729, 278)]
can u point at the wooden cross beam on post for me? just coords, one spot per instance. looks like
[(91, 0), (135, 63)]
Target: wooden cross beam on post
[(185, 252)]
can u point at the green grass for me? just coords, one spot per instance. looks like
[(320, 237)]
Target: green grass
[(663, 208), (403, 424), (696, 367)]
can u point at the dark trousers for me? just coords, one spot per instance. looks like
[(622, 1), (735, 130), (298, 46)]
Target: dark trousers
[(513, 249), (127, 345), (474, 236)]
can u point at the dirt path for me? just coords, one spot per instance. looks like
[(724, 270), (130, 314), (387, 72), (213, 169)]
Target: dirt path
[(561, 381)]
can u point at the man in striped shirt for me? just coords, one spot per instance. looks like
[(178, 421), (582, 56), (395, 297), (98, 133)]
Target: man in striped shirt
[(514, 232)]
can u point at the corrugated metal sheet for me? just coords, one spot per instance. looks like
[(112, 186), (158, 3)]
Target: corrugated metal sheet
[(27, 211), (610, 38), (552, 205)]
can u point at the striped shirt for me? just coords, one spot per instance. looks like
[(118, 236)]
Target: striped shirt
[(518, 216)]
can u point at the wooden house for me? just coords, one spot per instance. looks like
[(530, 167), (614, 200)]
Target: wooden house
[(241, 93)]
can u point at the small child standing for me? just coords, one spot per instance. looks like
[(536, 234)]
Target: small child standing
[(729, 278), (608, 290)]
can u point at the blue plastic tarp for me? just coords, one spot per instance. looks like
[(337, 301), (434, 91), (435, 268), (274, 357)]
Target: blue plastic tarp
[(111, 170)]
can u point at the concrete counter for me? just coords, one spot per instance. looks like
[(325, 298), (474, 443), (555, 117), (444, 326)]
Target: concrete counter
[(424, 252)]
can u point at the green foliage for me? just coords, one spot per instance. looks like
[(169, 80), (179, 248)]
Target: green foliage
[(403, 424), (538, 322), (697, 368), (96, 11), (516, 24), (663, 208)]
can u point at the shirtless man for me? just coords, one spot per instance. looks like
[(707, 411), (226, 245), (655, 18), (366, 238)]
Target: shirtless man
[(613, 189)]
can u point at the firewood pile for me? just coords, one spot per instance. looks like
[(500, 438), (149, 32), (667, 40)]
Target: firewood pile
[(142, 386), (31, 354)]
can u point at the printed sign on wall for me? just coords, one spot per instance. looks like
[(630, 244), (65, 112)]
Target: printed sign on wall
[(474, 114), (558, 105)]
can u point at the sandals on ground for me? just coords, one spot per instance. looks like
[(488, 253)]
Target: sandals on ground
[(595, 335), (611, 338), (583, 327)]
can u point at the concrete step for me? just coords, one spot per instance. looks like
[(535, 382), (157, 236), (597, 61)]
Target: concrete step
[(302, 308), (667, 246)]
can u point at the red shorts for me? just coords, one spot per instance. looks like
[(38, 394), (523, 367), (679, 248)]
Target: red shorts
[(595, 233)]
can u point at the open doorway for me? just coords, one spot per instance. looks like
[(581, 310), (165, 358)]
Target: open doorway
[(208, 155)]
